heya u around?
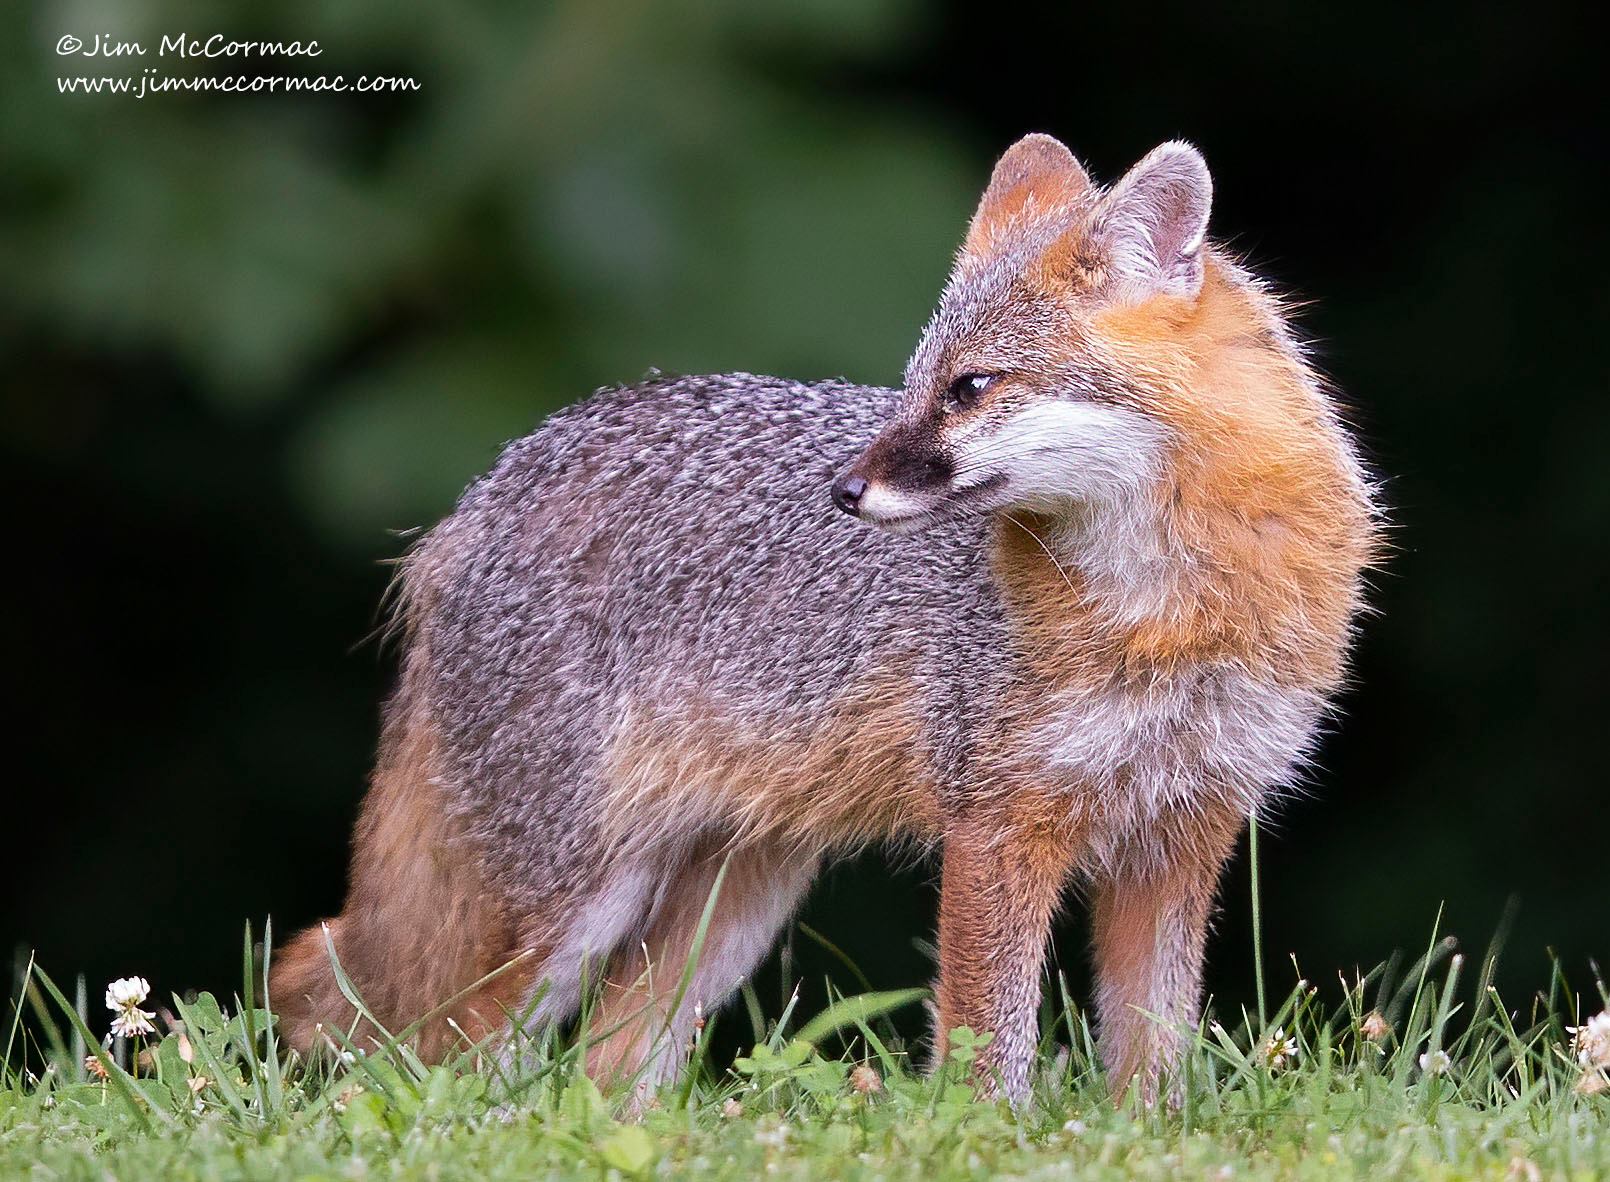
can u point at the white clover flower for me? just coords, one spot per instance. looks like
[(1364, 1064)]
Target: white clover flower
[(126, 992), (1280, 1050), (128, 1023), (1591, 1042), (123, 998), (1435, 1062)]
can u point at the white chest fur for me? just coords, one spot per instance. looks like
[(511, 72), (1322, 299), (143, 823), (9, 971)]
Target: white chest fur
[(1143, 757)]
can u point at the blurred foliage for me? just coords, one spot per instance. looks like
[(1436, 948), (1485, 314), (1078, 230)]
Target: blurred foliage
[(579, 192), (247, 336)]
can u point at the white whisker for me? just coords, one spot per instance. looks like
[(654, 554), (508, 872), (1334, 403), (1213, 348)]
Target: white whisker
[(1041, 543)]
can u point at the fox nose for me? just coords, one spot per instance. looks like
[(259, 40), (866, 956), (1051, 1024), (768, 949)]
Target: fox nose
[(847, 493)]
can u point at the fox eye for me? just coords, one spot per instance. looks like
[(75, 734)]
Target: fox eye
[(966, 390)]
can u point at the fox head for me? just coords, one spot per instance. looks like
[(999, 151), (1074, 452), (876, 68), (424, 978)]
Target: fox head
[(1019, 395)]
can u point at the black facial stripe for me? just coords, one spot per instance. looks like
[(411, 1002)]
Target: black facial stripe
[(911, 458), (919, 468)]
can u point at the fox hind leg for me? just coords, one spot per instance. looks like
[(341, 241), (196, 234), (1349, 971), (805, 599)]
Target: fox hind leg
[(643, 1031)]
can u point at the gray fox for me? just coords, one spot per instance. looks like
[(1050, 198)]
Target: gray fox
[(1119, 544)]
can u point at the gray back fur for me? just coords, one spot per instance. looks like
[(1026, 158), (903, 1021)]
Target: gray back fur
[(669, 541)]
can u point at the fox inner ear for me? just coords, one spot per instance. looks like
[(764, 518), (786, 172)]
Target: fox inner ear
[(1153, 224), (1036, 170)]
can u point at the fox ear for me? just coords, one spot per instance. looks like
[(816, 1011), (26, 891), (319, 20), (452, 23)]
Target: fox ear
[(1036, 170), (1153, 223)]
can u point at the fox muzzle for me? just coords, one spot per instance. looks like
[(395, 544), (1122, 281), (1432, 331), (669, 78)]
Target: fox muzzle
[(847, 492)]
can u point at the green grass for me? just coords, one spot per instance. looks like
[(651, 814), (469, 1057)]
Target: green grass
[(835, 1096)]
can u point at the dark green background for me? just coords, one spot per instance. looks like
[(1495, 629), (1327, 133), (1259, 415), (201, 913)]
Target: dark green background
[(245, 338)]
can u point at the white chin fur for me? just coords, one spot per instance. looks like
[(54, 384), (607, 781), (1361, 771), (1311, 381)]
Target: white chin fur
[(1105, 459), (893, 510), (1082, 451)]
